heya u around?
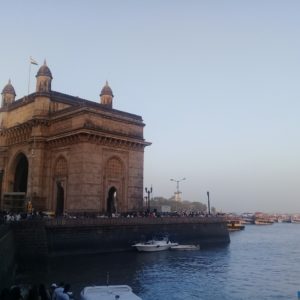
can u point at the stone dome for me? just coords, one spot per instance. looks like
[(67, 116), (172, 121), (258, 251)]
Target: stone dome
[(9, 89), (106, 90), (44, 71)]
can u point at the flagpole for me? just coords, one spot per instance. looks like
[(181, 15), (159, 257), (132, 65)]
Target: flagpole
[(29, 76), (31, 61)]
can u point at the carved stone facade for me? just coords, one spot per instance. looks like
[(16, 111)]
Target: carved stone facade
[(69, 154)]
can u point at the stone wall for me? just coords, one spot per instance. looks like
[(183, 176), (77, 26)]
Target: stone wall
[(110, 235), (30, 240), (37, 239), (7, 256)]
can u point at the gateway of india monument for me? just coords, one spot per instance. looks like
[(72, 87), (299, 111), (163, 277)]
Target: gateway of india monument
[(63, 154)]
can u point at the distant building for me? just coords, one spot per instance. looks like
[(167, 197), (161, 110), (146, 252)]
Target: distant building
[(65, 153), (177, 196), (165, 208)]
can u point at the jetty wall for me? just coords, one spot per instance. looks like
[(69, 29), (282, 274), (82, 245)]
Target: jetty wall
[(7, 256), (37, 239), (30, 239), (67, 236)]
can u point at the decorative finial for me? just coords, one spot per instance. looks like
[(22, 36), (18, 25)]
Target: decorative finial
[(45, 63), (9, 81), (106, 83)]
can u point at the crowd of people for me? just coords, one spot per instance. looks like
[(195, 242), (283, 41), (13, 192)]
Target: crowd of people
[(37, 292), (8, 217)]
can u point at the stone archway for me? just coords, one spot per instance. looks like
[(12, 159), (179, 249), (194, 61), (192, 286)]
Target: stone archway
[(60, 186), (114, 186), (60, 201), (112, 201), (21, 174)]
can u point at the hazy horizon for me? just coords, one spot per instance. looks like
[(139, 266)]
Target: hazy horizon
[(216, 83)]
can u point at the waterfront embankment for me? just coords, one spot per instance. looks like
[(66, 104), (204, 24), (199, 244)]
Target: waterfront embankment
[(39, 239), (68, 236)]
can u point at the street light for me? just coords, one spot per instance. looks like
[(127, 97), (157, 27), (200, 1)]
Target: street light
[(208, 203), (148, 191), (177, 187)]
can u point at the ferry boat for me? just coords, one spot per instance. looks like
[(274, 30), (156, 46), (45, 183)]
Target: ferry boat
[(263, 222), (263, 219), (235, 225), (108, 292)]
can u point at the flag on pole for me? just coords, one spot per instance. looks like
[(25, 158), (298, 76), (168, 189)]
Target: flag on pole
[(32, 61)]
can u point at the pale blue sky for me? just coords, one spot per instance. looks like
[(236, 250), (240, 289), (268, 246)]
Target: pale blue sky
[(216, 82)]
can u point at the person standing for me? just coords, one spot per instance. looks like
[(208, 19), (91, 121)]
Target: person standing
[(57, 291), (65, 294)]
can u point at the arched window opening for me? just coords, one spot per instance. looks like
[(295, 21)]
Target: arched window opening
[(21, 174)]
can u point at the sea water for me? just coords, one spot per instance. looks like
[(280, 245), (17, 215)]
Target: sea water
[(261, 262)]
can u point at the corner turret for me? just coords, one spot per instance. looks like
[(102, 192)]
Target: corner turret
[(8, 94), (43, 79), (106, 95)]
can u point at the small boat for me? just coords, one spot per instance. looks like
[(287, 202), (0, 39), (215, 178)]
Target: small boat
[(108, 292), (185, 247), (154, 245)]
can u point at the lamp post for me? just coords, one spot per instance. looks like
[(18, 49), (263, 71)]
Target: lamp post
[(177, 193), (148, 191), (208, 203), (177, 187)]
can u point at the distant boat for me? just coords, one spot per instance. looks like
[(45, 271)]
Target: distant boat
[(235, 225), (154, 245), (295, 220), (107, 292), (247, 218), (263, 222), (247, 221)]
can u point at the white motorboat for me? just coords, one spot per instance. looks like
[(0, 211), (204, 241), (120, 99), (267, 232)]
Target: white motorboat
[(108, 292), (185, 247), (154, 245)]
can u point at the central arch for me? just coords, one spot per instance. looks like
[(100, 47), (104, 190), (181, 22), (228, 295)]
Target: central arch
[(112, 201), (60, 195), (114, 186), (60, 185), (21, 174)]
